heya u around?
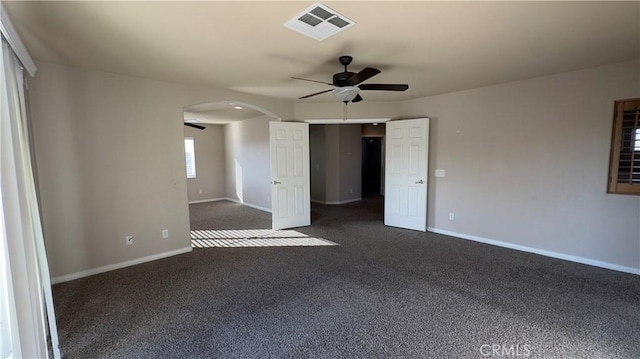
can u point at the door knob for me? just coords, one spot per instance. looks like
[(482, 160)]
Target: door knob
[(276, 182), (420, 182)]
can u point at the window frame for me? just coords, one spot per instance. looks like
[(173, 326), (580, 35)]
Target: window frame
[(614, 186), (193, 157)]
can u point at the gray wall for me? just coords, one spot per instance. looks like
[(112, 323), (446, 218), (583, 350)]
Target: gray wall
[(527, 163), (247, 162), (317, 159), (110, 160), (335, 110), (335, 154), (210, 163), (332, 159), (350, 156)]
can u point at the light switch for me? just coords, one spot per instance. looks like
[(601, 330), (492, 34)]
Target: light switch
[(439, 173)]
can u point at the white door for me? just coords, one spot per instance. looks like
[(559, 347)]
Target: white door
[(290, 185), (405, 201)]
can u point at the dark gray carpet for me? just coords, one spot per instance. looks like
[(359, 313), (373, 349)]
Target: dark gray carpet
[(383, 293)]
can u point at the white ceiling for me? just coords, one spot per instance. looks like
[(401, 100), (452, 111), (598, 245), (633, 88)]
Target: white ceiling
[(220, 113), (435, 47)]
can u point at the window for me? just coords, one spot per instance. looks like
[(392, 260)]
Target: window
[(190, 153), (624, 165)]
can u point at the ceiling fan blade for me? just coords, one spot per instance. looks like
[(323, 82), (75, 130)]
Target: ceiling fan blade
[(320, 82), (199, 127), (384, 87), (314, 94), (363, 75), (358, 98)]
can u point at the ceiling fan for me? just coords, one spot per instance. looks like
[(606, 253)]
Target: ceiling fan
[(199, 127), (349, 84)]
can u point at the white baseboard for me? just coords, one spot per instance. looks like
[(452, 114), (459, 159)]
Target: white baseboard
[(542, 252), (231, 200), (208, 200), (340, 202), (248, 204), (110, 267)]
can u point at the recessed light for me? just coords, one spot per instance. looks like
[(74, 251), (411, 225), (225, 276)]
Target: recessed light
[(238, 107)]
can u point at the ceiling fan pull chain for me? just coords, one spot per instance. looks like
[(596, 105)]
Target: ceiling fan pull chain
[(345, 111)]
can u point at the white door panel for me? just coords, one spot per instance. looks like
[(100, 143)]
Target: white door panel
[(405, 203), (290, 186)]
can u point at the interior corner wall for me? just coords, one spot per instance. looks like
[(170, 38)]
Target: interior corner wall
[(110, 159), (248, 174), (527, 164), (317, 159), (209, 182)]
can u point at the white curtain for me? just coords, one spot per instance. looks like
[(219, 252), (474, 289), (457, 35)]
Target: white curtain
[(28, 288), (5, 283)]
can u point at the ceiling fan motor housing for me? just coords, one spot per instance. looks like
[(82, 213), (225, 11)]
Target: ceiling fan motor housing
[(342, 78)]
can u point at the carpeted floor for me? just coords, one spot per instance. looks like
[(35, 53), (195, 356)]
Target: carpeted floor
[(381, 293)]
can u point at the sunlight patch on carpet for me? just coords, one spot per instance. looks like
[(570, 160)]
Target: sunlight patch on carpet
[(254, 238)]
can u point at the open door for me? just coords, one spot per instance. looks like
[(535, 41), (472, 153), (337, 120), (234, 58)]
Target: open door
[(405, 202), (290, 178)]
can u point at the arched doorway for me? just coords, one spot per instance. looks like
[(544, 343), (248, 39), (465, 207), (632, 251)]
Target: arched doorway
[(230, 154)]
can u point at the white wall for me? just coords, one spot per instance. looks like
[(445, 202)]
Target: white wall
[(210, 163), (247, 162), (110, 161), (527, 163)]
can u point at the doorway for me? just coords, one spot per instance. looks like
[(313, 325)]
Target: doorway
[(372, 167)]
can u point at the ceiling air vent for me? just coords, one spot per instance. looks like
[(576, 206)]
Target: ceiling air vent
[(319, 22)]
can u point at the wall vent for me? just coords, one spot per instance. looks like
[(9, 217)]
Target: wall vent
[(319, 22)]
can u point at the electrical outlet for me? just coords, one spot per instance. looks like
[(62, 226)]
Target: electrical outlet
[(451, 216), (128, 240), (200, 191), (165, 233)]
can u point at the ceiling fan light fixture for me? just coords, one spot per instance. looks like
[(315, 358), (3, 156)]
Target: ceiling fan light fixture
[(346, 93)]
